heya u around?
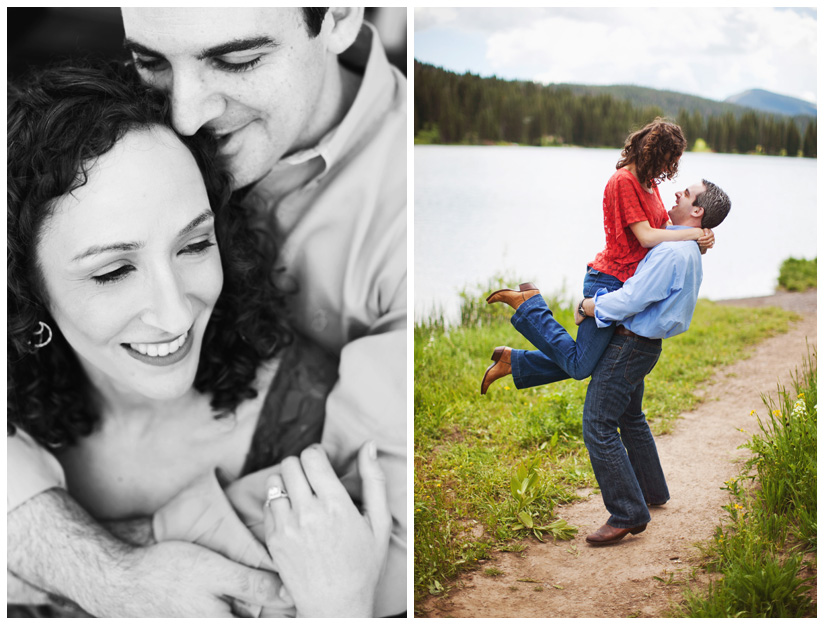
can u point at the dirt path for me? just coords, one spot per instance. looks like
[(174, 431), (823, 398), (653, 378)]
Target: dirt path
[(574, 579)]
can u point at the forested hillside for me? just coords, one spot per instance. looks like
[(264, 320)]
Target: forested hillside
[(467, 109)]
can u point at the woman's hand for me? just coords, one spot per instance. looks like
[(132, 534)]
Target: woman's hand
[(327, 553), (706, 241)]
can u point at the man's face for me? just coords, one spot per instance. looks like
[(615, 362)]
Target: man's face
[(254, 77), (681, 211)]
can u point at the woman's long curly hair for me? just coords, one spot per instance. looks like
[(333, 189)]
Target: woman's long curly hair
[(59, 121), (655, 150)]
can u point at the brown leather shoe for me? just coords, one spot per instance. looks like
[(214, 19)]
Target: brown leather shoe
[(607, 534), (514, 297), (499, 369)]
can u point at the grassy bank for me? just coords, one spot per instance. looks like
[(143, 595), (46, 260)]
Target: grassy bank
[(797, 274), (765, 555), (489, 470)]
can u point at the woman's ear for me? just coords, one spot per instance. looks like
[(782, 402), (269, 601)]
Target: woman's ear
[(341, 26)]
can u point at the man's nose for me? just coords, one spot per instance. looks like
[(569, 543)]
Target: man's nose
[(194, 101), (167, 306)]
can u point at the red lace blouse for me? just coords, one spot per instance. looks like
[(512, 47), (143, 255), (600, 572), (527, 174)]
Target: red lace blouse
[(626, 202)]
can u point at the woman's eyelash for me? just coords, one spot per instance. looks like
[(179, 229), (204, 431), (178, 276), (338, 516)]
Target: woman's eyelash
[(114, 276), (198, 247), (124, 270)]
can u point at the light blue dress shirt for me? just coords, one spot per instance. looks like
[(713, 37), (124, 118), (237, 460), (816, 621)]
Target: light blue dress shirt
[(658, 301)]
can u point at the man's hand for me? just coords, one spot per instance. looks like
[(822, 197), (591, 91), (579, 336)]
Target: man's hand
[(56, 546), (589, 307), (706, 241)]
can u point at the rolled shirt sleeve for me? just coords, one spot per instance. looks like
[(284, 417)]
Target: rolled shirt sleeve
[(31, 470)]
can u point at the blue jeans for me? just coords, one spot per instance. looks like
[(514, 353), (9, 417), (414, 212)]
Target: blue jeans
[(559, 356), (622, 450)]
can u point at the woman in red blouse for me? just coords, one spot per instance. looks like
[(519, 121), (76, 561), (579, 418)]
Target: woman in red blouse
[(634, 220)]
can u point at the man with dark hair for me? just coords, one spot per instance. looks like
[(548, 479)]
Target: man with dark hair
[(714, 202), (311, 122), (655, 303)]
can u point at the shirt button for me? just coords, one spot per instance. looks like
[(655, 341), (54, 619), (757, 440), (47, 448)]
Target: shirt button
[(319, 321)]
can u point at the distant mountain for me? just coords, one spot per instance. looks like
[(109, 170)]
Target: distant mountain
[(671, 102), (769, 102)]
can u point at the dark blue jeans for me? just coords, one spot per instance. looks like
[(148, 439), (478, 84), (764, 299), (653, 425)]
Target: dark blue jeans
[(559, 356), (621, 446)]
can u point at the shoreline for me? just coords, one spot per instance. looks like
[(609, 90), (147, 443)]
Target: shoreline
[(797, 301)]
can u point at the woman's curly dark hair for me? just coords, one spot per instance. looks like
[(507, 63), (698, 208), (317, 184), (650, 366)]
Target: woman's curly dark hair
[(655, 150), (59, 121)]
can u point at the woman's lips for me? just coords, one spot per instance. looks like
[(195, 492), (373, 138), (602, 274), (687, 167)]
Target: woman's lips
[(161, 354)]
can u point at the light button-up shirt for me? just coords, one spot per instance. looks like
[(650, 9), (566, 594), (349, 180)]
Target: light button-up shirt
[(658, 301)]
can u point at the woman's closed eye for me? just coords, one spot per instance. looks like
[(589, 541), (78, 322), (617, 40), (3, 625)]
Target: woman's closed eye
[(198, 247), (121, 272), (115, 275)]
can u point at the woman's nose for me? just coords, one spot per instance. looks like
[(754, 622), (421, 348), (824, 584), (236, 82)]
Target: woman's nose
[(168, 308)]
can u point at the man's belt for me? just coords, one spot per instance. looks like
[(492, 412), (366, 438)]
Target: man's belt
[(621, 330)]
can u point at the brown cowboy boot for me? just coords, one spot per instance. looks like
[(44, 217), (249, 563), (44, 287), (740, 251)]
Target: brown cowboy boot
[(514, 297), (608, 534), (499, 369)]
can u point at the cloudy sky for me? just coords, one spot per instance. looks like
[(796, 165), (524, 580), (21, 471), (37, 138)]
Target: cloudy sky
[(710, 52)]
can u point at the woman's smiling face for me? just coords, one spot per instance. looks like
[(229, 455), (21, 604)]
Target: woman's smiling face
[(131, 269)]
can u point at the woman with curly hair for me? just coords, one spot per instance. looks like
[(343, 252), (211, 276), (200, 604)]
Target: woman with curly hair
[(146, 349), (634, 220)]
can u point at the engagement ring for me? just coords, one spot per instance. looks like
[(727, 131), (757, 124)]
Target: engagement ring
[(274, 493)]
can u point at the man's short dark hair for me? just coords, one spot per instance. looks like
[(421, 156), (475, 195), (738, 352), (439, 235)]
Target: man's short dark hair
[(715, 202), (314, 17)]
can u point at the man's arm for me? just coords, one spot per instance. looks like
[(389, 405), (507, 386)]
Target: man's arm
[(653, 281), (369, 403), (56, 546)]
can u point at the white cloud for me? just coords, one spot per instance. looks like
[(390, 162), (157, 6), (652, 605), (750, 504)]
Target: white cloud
[(713, 52)]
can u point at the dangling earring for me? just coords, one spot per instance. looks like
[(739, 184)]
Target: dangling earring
[(39, 334)]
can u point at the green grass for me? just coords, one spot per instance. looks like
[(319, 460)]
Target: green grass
[(469, 447), (761, 551), (797, 274)]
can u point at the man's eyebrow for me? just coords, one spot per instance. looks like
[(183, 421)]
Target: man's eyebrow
[(139, 48), (236, 45), (130, 246)]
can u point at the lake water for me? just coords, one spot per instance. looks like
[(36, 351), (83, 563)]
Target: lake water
[(535, 214)]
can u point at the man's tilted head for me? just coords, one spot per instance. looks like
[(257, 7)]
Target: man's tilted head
[(702, 205), (265, 81)]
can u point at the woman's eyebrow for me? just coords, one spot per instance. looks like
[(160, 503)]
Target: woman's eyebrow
[(125, 246), (200, 219), (130, 246)]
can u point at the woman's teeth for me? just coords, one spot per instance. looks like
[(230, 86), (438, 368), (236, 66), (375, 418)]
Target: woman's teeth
[(160, 349)]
